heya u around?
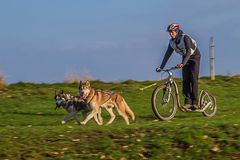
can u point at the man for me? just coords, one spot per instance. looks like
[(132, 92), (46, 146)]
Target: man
[(187, 47)]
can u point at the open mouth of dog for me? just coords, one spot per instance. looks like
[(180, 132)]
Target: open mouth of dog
[(58, 100), (84, 98), (58, 104)]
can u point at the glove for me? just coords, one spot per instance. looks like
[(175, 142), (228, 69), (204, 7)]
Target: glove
[(158, 69), (179, 65)]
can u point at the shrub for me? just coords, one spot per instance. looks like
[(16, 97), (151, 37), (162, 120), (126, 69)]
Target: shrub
[(2, 81), (73, 77)]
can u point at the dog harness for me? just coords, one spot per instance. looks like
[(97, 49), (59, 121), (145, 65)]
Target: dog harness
[(110, 93)]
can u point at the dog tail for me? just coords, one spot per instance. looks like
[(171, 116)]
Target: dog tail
[(129, 111)]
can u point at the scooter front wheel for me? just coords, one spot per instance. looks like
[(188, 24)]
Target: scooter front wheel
[(164, 103)]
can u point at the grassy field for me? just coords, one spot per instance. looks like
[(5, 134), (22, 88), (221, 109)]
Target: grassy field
[(30, 128)]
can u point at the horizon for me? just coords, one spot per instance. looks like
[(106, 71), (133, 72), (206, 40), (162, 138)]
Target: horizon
[(120, 81)]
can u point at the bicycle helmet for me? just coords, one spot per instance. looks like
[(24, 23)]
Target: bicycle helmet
[(173, 27)]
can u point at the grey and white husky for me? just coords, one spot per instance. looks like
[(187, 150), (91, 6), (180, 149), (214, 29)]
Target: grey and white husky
[(73, 105)]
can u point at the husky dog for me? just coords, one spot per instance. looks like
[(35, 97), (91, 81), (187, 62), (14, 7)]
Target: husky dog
[(73, 105), (104, 99)]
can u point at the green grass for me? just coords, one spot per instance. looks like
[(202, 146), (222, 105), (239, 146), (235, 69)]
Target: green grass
[(30, 128)]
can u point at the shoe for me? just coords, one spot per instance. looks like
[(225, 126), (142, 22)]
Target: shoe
[(194, 107), (187, 106)]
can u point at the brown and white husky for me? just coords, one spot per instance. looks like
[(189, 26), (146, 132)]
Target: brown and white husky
[(104, 99)]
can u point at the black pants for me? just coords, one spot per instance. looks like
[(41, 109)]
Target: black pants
[(190, 74)]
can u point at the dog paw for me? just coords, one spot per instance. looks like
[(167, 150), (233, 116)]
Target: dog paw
[(82, 123), (63, 122), (107, 124)]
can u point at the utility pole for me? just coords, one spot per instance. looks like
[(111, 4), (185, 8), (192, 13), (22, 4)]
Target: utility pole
[(211, 51)]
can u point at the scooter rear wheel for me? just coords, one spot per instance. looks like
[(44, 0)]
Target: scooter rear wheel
[(208, 99)]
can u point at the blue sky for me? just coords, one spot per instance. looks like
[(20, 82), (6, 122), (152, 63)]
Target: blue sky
[(44, 41)]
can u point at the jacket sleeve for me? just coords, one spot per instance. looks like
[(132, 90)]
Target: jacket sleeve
[(188, 44), (166, 56)]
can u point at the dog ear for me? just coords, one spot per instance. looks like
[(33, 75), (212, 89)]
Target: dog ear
[(87, 83), (62, 92), (55, 92)]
